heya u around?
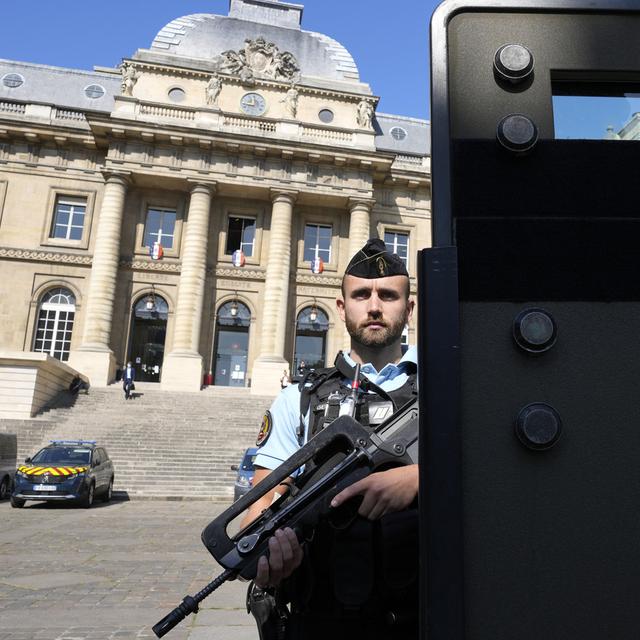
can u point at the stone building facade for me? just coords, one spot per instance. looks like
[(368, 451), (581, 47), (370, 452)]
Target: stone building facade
[(193, 209)]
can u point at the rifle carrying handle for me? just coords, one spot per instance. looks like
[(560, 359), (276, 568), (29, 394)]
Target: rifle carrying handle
[(215, 537)]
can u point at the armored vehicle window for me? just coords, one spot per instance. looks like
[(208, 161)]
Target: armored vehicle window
[(596, 111)]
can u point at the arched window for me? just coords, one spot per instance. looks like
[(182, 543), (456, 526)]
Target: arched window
[(234, 314), (56, 314), (312, 326), (151, 307)]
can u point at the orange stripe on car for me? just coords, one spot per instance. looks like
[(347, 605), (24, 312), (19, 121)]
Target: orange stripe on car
[(55, 471)]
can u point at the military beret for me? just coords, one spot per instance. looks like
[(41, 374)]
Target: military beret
[(375, 261)]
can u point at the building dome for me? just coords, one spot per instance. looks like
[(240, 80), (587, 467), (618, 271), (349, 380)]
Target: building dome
[(205, 37)]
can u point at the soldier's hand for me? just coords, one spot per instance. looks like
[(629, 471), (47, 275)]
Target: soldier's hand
[(285, 556), (383, 492)]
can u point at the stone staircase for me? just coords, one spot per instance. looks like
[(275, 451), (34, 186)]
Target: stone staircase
[(163, 444)]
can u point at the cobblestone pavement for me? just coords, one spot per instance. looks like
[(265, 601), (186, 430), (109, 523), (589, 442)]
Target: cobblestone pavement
[(111, 572)]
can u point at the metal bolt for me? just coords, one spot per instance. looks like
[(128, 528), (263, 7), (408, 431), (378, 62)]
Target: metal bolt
[(513, 63), (517, 133)]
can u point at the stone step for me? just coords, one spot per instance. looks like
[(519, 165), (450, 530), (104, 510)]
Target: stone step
[(163, 445)]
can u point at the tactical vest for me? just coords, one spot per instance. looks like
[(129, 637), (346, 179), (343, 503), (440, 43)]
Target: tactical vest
[(322, 391), (369, 569)]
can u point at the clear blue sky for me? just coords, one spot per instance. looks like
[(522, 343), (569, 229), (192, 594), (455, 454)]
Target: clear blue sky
[(387, 38)]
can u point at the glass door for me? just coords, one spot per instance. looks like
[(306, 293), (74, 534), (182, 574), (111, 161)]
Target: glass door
[(148, 333)]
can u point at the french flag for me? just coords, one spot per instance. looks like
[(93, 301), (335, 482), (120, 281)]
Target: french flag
[(317, 265), (237, 258), (156, 251)]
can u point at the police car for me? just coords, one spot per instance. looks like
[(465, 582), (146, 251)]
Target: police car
[(246, 470), (65, 470)]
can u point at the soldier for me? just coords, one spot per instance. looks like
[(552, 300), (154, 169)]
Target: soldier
[(363, 578)]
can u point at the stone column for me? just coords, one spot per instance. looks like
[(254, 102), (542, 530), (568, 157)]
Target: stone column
[(359, 233), (182, 368), (267, 368), (94, 357), (359, 224)]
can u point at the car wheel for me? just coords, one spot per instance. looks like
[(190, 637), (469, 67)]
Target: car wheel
[(17, 503), (4, 487), (109, 492), (87, 500)]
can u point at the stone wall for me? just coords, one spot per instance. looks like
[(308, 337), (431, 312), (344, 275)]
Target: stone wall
[(29, 382)]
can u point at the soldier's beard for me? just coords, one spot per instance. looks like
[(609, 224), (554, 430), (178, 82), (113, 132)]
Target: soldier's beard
[(388, 335)]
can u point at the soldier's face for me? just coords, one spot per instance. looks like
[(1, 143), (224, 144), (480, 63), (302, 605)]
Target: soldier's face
[(375, 311)]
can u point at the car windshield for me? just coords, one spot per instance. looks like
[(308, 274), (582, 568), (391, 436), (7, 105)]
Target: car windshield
[(63, 455), (247, 462)]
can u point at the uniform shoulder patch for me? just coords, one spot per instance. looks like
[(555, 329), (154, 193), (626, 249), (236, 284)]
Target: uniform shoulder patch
[(265, 429)]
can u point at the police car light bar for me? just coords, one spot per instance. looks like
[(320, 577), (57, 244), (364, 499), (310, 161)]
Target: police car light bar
[(72, 441)]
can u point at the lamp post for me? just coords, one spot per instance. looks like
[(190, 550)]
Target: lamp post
[(313, 314), (150, 302), (233, 310)]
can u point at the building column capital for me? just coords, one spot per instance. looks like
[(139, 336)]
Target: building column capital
[(123, 178), (361, 203), (284, 195), (207, 187)]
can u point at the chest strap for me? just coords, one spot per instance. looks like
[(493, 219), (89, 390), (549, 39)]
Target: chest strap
[(313, 380)]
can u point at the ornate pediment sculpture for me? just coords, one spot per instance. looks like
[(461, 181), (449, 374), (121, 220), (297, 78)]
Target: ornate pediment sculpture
[(260, 59)]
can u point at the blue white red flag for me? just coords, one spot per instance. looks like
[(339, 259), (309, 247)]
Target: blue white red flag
[(317, 265), (237, 258), (156, 251)]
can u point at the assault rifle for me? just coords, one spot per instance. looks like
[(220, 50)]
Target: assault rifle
[(338, 456)]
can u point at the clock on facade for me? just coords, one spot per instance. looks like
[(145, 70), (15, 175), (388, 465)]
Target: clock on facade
[(253, 104)]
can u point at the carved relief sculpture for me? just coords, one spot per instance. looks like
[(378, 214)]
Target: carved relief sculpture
[(129, 79), (231, 62), (213, 90), (364, 116), (291, 102), (286, 67), (260, 58)]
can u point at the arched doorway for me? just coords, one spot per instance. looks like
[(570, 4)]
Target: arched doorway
[(312, 326), (56, 314), (148, 333), (231, 345)]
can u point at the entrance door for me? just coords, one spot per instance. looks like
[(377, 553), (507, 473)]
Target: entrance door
[(148, 334), (311, 340), (231, 349)]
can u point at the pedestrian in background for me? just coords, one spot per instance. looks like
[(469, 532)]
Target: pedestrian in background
[(128, 376)]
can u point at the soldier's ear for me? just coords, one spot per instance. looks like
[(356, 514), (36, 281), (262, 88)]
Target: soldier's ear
[(340, 307), (411, 303)]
